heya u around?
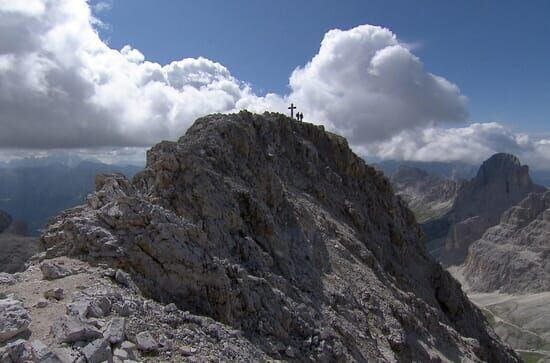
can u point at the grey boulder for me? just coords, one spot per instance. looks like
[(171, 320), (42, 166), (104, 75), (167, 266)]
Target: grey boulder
[(146, 342), (14, 318), (53, 271), (98, 351), (69, 330)]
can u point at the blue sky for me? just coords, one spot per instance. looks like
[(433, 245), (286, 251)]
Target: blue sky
[(413, 80), (497, 52)]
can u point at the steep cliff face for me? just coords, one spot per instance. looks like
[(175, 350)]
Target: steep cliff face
[(500, 183), (513, 256), (276, 228)]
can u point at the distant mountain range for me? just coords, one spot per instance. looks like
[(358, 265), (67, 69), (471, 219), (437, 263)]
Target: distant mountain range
[(500, 183), (429, 196), (492, 231), (34, 190), (451, 170), (513, 256)]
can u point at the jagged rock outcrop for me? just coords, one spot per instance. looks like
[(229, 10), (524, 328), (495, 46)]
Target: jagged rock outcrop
[(275, 228), (428, 196), (99, 319), (514, 256), (500, 183)]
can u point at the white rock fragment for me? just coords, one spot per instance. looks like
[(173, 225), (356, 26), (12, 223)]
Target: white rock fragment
[(15, 352), (146, 342), (114, 332), (7, 279), (53, 270), (14, 318), (42, 354), (70, 330), (130, 349), (98, 351)]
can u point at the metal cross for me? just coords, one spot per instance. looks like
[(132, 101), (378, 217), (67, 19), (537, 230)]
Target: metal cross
[(291, 108)]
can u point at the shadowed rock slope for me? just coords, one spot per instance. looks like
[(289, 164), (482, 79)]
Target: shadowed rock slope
[(15, 247), (276, 228), (514, 256)]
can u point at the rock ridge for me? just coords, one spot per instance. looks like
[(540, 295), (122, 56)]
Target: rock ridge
[(275, 228)]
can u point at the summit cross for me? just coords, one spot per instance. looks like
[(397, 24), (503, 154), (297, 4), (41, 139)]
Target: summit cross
[(292, 108)]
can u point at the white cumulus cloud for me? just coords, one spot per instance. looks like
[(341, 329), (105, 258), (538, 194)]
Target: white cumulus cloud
[(472, 144), (368, 86), (62, 86)]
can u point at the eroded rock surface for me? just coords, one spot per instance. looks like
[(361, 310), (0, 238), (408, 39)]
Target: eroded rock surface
[(514, 256), (428, 196), (53, 271), (275, 228), (100, 320), (14, 318), (500, 183)]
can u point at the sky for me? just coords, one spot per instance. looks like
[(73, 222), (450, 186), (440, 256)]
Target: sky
[(432, 80), (497, 52)]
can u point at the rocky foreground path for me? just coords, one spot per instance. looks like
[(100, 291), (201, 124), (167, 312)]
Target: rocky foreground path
[(64, 310)]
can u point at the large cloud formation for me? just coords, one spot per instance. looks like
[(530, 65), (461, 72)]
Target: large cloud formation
[(368, 86), (472, 144), (61, 86)]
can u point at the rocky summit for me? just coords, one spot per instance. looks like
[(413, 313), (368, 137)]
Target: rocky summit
[(264, 238), (500, 183)]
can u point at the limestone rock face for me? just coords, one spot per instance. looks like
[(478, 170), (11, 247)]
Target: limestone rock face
[(428, 196), (14, 318), (500, 183), (514, 256), (276, 228)]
